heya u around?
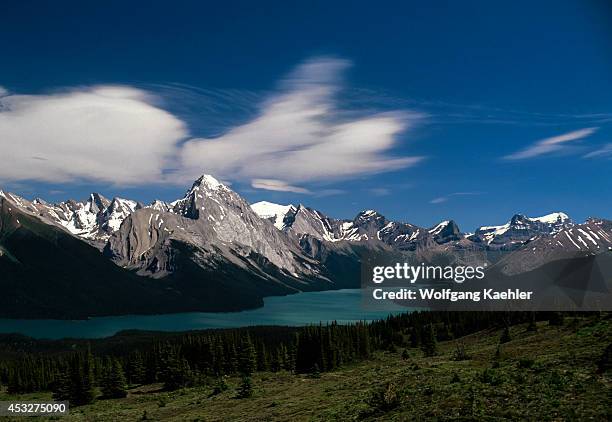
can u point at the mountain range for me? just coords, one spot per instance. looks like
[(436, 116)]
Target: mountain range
[(213, 251)]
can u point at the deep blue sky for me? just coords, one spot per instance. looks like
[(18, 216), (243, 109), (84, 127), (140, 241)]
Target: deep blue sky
[(492, 78)]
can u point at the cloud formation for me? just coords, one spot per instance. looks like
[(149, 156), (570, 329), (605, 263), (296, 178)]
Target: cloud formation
[(118, 134), (603, 152), (550, 145), (276, 185), (112, 134), (301, 135), (443, 199)]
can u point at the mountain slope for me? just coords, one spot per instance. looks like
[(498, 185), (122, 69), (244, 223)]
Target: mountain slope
[(215, 230), (48, 273), (521, 229), (592, 237), (210, 250), (93, 220)]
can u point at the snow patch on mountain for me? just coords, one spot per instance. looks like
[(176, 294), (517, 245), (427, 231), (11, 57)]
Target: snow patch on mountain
[(555, 217), (438, 228), (118, 211), (273, 212), (521, 228)]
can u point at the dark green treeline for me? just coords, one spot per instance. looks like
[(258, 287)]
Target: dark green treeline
[(189, 358)]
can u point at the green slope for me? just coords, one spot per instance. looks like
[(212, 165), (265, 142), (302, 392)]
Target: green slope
[(546, 375)]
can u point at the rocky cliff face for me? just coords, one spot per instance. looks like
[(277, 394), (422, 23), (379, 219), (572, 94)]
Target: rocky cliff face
[(218, 226), (93, 220)]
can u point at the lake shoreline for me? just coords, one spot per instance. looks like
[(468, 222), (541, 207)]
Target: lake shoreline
[(300, 309)]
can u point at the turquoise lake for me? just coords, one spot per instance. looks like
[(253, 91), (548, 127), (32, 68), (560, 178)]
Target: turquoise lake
[(343, 306)]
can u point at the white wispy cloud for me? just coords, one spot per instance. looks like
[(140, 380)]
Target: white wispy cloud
[(549, 145), (113, 134), (445, 198), (301, 135), (604, 151), (277, 185)]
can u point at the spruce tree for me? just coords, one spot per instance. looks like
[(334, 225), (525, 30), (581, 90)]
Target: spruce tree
[(177, 373), (136, 369), (61, 386), (415, 338), (82, 378), (247, 360), (429, 343), (75, 380), (15, 385), (532, 323), (113, 383), (262, 358), (231, 359), (505, 336)]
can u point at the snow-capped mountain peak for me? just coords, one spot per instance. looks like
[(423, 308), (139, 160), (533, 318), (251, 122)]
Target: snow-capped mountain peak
[(205, 192), (208, 182), (439, 227), (367, 215), (555, 217), (97, 203), (158, 205), (521, 229), (116, 212), (445, 231), (273, 212)]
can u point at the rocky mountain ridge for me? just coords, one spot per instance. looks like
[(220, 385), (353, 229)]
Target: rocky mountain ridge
[(212, 244)]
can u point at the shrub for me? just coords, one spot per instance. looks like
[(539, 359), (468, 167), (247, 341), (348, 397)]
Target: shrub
[(525, 363), (489, 376), (246, 388), (385, 398), (220, 386), (460, 352), (556, 380), (497, 355)]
